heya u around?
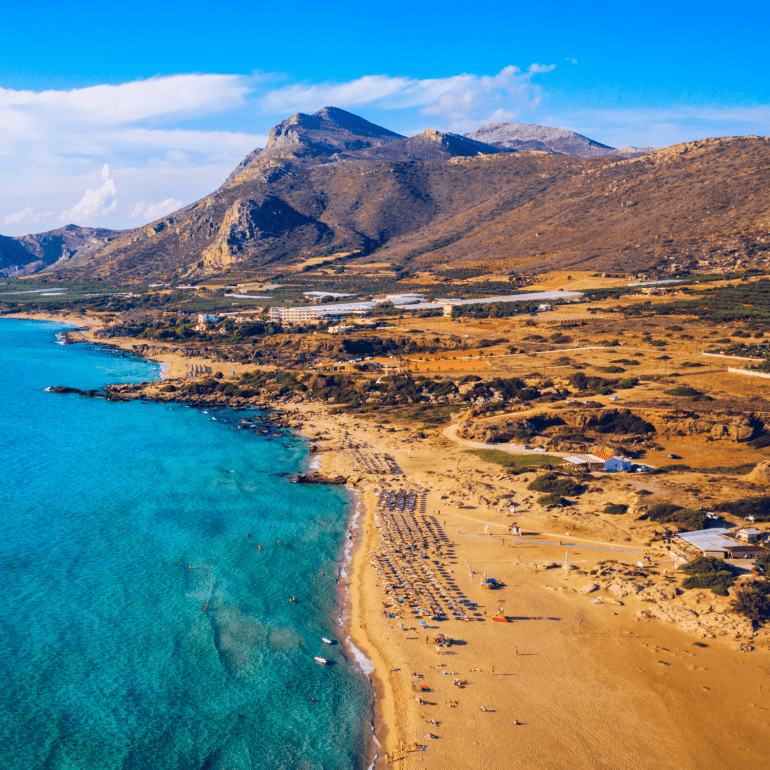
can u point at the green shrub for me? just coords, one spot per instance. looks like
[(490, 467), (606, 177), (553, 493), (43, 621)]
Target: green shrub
[(675, 514), (552, 500), (683, 390), (758, 507), (552, 483), (662, 511), (622, 421), (754, 603), (615, 509), (708, 572)]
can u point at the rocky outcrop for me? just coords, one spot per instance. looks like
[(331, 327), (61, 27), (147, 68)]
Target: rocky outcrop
[(760, 474), (320, 478), (490, 433)]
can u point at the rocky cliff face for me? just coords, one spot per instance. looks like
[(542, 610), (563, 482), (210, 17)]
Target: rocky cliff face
[(29, 254), (250, 221)]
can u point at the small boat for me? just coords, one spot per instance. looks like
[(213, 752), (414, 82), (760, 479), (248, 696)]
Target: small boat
[(319, 659), (327, 641)]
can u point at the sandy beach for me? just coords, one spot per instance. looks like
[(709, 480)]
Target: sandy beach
[(574, 679)]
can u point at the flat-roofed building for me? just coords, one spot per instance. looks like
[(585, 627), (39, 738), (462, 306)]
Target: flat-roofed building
[(718, 544)]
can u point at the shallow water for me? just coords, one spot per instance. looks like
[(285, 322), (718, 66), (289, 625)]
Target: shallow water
[(121, 523)]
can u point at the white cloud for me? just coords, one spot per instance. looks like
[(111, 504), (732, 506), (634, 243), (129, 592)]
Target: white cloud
[(94, 202), (106, 105), (25, 216), (153, 211), (455, 98)]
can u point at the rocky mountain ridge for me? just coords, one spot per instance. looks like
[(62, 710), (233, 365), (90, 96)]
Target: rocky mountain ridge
[(333, 182), (531, 136), (28, 254)]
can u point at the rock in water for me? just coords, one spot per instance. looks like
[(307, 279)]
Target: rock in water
[(319, 478)]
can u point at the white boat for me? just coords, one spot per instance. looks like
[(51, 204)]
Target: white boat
[(319, 659), (326, 641)]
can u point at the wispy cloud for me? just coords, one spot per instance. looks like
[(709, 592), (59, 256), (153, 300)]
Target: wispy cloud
[(27, 216), (151, 212), (178, 95)]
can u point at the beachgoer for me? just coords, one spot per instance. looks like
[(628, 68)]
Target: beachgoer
[(493, 669), (517, 650)]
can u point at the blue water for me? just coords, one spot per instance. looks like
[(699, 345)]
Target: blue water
[(119, 525)]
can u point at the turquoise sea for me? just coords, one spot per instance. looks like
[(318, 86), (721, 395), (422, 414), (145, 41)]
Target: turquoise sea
[(140, 627)]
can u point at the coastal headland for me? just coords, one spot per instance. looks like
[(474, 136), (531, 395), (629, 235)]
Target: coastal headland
[(588, 651)]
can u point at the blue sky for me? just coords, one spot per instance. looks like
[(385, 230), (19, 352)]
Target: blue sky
[(114, 115)]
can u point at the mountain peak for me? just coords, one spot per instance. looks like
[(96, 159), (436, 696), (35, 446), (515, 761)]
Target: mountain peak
[(330, 127), (327, 132), (531, 136)]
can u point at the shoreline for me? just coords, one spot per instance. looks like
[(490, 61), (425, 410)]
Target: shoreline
[(352, 620), (575, 678)]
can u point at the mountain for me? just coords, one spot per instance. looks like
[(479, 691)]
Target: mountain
[(334, 135), (28, 254), (530, 136), (332, 183)]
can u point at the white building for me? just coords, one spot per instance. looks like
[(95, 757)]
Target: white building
[(615, 464)]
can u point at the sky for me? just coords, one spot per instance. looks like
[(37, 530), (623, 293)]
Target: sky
[(114, 115)]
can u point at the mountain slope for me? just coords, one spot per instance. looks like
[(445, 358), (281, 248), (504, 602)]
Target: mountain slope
[(438, 200), (530, 136), (29, 254)]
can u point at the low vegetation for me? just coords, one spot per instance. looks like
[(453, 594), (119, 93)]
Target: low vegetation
[(668, 513), (552, 500), (754, 602), (757, 507), (683, 390), (708, 572), (517, 463), (553, 483)]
